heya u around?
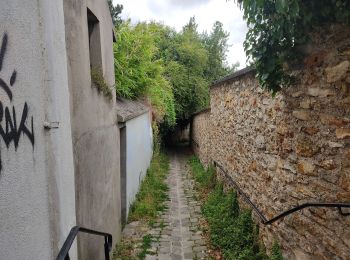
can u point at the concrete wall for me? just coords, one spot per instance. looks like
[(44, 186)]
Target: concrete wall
[(37, 207), (291, 149), (139, 152), (94, 128)]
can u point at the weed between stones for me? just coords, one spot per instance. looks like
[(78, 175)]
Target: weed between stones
[(146, 245)]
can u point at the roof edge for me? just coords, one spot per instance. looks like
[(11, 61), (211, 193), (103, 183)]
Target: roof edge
[(122, 119), (129, 109)]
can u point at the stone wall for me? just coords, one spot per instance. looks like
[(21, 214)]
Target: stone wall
[(290, 149), (200, 135)]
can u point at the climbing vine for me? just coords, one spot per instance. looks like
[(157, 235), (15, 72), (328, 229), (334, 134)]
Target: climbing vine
[(277, 27)]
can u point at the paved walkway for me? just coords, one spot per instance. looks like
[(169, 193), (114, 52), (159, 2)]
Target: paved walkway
[(176, 234)]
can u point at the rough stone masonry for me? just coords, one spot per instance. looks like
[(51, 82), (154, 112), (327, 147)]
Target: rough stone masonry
[(291, 149)]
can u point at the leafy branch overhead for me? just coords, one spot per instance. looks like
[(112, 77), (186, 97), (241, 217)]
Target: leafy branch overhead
[(115, 13), (277, 27), (172, 70)]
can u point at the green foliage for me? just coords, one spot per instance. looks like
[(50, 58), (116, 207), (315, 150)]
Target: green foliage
[(232, 230), (134, 66), (277, 27), (276, 252), (123, 251), (115, 13), (171, 69), (191, 88), (146, 245), (139, 73), (100, 83), (194, 61), (156, 138), (217, 46), (153, 191), (205, 178)]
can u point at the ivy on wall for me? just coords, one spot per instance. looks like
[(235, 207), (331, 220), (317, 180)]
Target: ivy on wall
[(277, 27)]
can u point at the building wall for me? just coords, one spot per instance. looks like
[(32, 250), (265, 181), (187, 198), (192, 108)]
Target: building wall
[(37, 173), (139, 152), (94, 128), (290, 149)]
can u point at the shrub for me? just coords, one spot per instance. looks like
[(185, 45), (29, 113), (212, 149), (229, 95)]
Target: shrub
[(204, 177), (153, 191), (232, 230)]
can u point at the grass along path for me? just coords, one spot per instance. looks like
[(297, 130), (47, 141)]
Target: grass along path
[(153, 191), (165, 222), (144, 212), (231, 231)]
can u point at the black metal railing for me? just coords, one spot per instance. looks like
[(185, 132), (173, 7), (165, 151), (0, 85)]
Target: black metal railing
[(64, 252), (264, 220)]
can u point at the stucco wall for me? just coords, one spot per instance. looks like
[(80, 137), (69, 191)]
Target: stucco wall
[(138, 154), (291, 149), (37, 206), (95, 132)]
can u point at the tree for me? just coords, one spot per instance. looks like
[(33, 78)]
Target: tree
[(139, 74), (185, 71), (171, 69), (232, 68), (191, 26), (115, 13), (217, 46), (276, 28)]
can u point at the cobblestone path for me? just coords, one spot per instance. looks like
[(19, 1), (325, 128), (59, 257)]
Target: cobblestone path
[(176, 234)]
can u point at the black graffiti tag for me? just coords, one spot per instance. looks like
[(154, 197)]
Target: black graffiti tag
[(10, 131)]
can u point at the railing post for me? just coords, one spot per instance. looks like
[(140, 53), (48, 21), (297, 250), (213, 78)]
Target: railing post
[(106, 249), (64, 252)]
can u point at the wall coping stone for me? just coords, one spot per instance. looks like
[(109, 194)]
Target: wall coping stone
[(233, 76), (201, 111)]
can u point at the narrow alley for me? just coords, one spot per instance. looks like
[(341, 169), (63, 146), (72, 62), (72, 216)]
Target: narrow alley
[(188, 129), (176, 234)]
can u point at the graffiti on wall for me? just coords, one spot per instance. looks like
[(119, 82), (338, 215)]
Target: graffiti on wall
[(13, 126)]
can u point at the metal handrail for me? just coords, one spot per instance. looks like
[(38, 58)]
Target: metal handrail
[(265, 221), (64, 252)]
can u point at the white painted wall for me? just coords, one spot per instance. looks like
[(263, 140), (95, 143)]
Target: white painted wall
[(139, 149), (37, 206)]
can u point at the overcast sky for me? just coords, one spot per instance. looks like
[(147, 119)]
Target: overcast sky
[(177, 13)]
